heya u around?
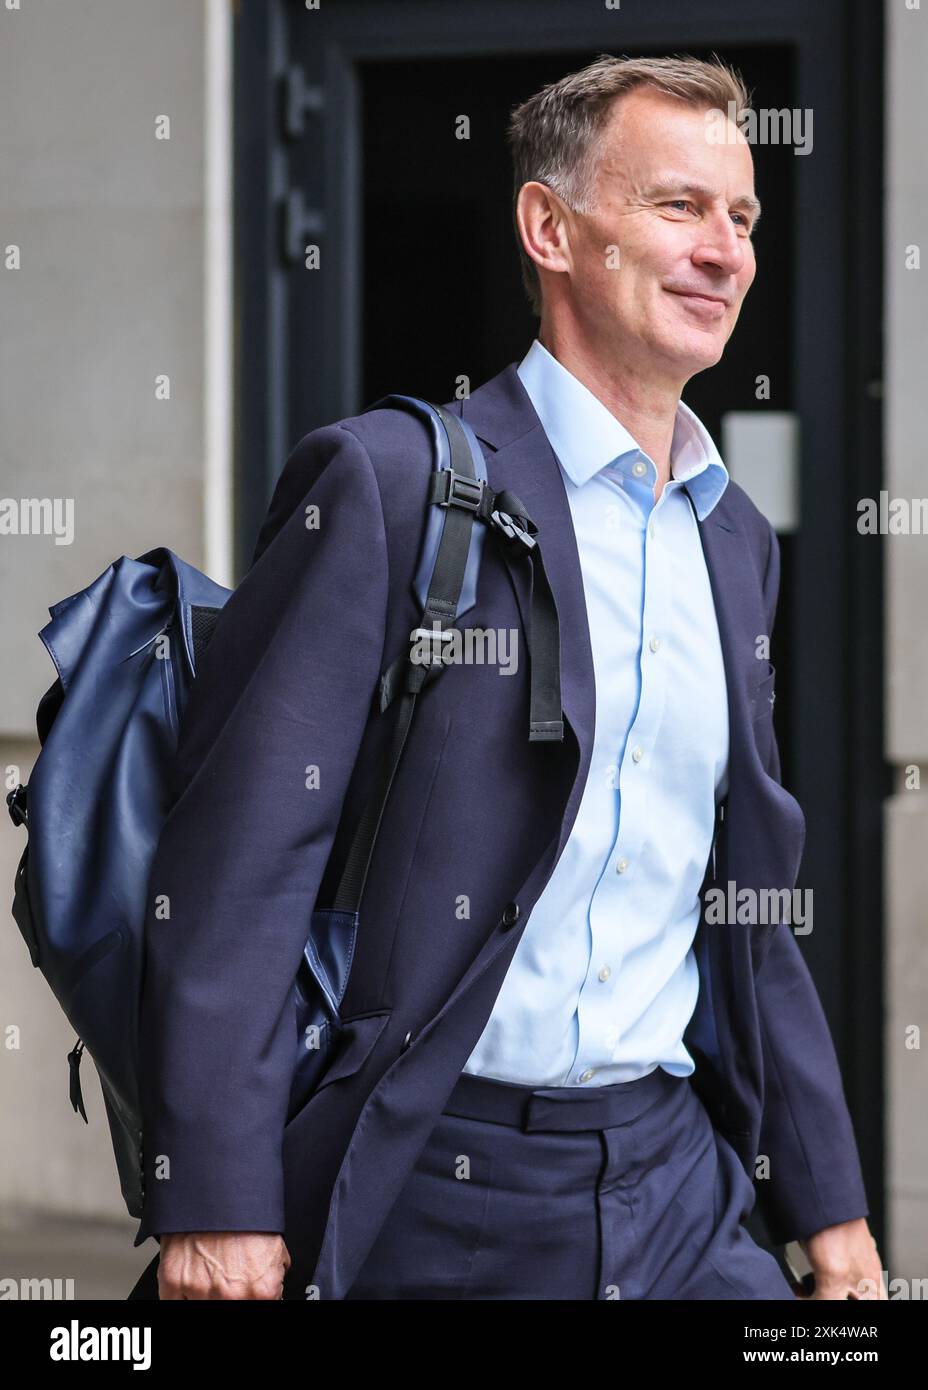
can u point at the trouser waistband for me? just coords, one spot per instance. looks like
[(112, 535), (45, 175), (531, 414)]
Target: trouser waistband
[(559, 1107)]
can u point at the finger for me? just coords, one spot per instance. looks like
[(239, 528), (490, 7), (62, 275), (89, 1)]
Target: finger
[(168, 1288)]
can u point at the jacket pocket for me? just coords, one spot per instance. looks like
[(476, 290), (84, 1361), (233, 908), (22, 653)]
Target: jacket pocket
[(355, 1042), (348, 1048)]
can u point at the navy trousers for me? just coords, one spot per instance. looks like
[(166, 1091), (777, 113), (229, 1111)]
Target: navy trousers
[(621, 1191)]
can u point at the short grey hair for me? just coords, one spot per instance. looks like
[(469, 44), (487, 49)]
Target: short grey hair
[(552, 135)]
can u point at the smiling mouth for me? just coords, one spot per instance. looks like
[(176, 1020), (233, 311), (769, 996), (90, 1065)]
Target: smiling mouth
[(700, 298), (707, 309)]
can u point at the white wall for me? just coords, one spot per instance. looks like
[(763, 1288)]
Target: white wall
[(906, 821), (115, 288)]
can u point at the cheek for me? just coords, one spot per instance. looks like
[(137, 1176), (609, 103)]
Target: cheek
[(616, 283), (746, 278), (600, 267), (744, 282)]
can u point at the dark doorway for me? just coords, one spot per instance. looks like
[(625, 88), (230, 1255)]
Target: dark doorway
[(438, 252), (442, 296)]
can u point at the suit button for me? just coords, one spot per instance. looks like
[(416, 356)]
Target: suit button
[(511, 914), (406, 1041)]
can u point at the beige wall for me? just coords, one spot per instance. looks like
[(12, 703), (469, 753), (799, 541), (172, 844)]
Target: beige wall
[(113, 291), (906, 819)]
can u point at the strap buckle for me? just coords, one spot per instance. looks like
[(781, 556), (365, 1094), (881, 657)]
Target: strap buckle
[(511, 527), (435, 640), (16, 805), (457, 490)]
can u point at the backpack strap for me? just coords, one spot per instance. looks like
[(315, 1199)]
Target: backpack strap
[(459, 486), (461, 494)]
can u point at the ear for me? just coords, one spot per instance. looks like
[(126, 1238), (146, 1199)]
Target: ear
[(544, 222)]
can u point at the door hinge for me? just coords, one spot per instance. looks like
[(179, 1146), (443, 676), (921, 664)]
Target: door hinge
[(299, 97), (300, 222)]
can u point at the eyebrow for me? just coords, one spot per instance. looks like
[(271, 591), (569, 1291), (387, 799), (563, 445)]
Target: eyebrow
[(674, 187)]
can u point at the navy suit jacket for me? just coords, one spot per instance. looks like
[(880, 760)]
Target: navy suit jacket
[(247, 850)]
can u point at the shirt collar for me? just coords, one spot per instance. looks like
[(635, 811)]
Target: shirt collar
[(586, 437)]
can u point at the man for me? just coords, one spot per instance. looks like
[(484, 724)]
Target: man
[(556, 1070)]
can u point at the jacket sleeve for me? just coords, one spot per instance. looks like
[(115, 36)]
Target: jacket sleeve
[(815, 1179), (285, 687)]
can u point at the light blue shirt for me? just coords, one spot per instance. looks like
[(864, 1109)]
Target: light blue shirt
[(604, 979)]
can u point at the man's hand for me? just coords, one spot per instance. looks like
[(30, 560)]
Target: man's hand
[(845, 1262), (214, 1264)]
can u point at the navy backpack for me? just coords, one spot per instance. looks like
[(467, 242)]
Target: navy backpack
[(126, 651)]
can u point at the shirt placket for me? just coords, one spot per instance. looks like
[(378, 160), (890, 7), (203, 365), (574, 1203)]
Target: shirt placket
[(613, 900)]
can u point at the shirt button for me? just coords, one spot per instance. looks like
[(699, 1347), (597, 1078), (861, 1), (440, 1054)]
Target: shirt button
[(639, 469), (651, 530), (654, 643), (637, 755), (605, 973), (588, 1074), (622, 866)]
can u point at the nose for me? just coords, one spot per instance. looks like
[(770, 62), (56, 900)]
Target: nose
[(721, 247)]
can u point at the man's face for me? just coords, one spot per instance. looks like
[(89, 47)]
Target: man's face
[(680, 208)]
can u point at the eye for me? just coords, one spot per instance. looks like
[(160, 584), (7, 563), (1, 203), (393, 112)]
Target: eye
[(681, 203)]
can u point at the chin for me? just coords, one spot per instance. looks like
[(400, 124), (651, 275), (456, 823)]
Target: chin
[(709, 359), (696, 357), (703, 350), (691, 349)]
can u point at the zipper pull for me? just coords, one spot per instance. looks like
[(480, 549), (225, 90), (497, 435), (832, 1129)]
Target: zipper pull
[(74, 1088)]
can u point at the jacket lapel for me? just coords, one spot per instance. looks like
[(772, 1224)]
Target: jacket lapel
[(733, 579)]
